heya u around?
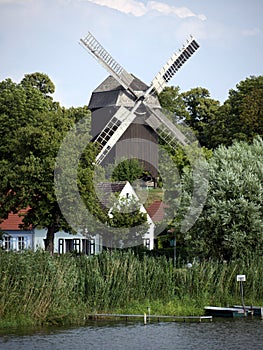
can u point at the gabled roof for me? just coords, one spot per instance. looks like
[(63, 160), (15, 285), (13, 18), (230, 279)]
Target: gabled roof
[(106, 190), (110, 84), (156, 211), (109, 187), (111, 93), (13, 221)]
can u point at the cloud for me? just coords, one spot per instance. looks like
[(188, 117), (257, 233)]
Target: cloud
[(133, 7), (138, 8), (251, 32), (181, 12)]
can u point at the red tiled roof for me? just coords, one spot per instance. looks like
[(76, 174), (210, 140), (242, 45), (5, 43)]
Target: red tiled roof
[(13, 221), (156, 211)]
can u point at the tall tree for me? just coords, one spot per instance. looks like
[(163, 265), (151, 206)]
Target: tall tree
[(171, 100), (231, 223), (201, 113), (241, 116), (194, 107), (40, 81), (30, 139)]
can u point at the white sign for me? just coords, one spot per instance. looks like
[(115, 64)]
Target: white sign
[(241, 278)]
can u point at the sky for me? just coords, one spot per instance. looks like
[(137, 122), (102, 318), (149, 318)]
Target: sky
[(43, 36)]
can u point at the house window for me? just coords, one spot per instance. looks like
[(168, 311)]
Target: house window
[(147, 243), (61, 246), (7, 243), (76, 245), (21, 243), (92, 246)]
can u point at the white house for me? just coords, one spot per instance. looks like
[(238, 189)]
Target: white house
[(124, 190), (16, 239), (65, 242)]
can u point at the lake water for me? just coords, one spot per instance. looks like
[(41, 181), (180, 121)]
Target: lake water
[(236, 334)]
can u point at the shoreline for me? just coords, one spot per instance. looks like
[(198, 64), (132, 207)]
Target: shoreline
[(38, 289)]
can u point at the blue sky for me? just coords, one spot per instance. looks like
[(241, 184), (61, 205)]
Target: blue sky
[(43, 36)]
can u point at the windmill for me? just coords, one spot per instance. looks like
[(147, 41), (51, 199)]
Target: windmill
[(124, 108)]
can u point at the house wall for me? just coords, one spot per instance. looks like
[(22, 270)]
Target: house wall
[(18, 240), (148, 237), (64, 242)]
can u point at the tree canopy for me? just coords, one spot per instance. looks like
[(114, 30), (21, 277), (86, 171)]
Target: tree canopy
[(231, 223), (127, 170), (33, 127), (238, 118), (31, 135), (241, 116), (40, 81)]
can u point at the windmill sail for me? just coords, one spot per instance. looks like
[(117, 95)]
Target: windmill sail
[(107, 61), (165, 128), (124, 117), (173, 65), (113, 130)]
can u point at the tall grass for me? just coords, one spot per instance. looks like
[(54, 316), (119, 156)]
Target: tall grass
[(39, 288)]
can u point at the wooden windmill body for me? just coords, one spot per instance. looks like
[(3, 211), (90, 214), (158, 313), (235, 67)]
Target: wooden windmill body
[(139, 140), (127, 119)]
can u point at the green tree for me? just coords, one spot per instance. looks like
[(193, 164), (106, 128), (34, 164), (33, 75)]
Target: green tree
[(30, 139), (171, 100), (127, 223), (127, 170), (241, 116), (40, 81), (201, 113), (194, 107), (231, 223)]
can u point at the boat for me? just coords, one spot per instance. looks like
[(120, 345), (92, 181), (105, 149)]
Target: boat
[(217, 311), (253, 310)]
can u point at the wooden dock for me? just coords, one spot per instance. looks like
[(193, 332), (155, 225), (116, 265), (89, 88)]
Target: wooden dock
[(146, 318)]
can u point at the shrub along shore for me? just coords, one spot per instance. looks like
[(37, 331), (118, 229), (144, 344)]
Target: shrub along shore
[(38, 289)]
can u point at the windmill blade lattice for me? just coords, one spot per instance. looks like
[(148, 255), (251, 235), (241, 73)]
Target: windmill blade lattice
[(107, 61), (174, 64), (113, 130), (166, 129), (124, 117)]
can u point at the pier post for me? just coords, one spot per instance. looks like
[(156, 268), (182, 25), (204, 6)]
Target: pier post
[(144, 319)]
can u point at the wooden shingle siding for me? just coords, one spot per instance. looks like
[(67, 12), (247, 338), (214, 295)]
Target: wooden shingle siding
[(134, 143)]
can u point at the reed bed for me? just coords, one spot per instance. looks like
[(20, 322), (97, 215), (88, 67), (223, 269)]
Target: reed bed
[(39, 288)]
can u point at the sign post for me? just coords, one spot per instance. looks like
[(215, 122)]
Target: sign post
[(241, 279)]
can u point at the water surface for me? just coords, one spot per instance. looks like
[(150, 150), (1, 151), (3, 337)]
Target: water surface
[(241, 334)]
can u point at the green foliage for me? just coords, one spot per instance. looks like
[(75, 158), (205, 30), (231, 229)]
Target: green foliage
[(32, 130), (127, 223), (231, 223), (201, 113), (39, 81), (126, 213), (41, 288), (127, 170), (172, 101), (240, 117), (194, 107)]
